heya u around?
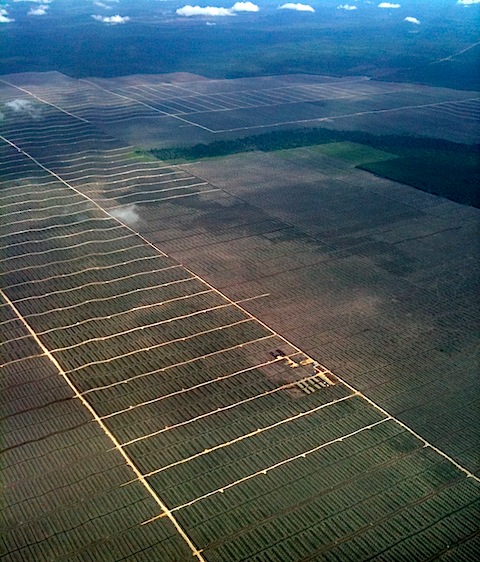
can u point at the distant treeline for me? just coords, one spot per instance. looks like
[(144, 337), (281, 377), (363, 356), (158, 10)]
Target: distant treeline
[(295, 138), (267, 142), (437, 166)]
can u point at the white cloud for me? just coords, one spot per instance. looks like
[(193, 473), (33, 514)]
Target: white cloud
[(23, 106), (412, 20), (346, 7), (468, 2), (128, 214), (297, 7), (102, 5), (212, 11), (388, 5), (4, 16), (112, 20), (245, 7), (40, 11)]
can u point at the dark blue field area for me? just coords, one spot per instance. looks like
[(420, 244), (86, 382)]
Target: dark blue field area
[(369, 41)]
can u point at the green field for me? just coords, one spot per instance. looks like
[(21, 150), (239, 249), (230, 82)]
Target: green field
[(354, 154)]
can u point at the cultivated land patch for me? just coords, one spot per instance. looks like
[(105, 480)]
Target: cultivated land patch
[(152, 417), (392, 273)]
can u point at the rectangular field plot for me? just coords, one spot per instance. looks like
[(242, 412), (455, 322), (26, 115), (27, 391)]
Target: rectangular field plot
[(173, 112), (337, 498), (88, 160), (148, 416), (229, 446), (385, 265), (63, 493)]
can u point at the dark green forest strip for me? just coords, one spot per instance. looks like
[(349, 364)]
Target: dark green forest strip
[(453, 182), (295, 138), (437, 166)]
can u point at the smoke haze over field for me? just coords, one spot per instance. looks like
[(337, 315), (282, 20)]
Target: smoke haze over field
[(128, 214), (23, 106)]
